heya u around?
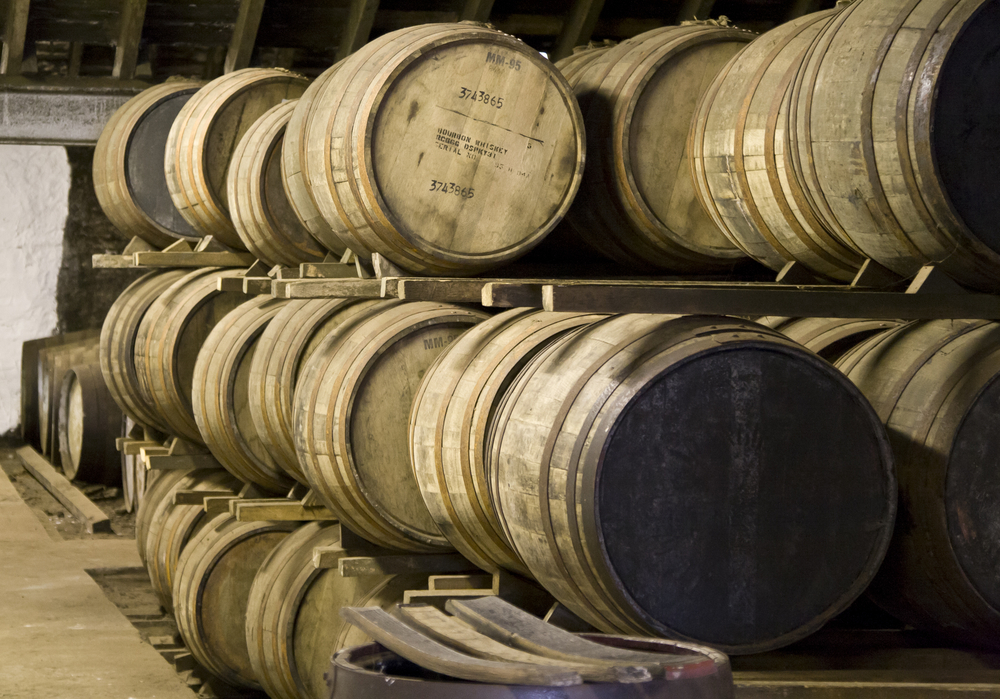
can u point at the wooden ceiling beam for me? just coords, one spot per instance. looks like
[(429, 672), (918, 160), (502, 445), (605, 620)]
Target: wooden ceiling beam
[(360, 19), (578, 27), (695, 10), (129, 36), (244, 35), (15, 27), (476, 11)]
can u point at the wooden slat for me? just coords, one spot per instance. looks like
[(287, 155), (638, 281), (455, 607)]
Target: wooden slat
[(327, 270), (15, 24), (359, 25), (197, 497), (244, 35), (62, 490), (578, 27), (476, 10), (326, 288), (130, 21), (805, 689), (358, 566), (279, 510), (428, 653), (233, 284)]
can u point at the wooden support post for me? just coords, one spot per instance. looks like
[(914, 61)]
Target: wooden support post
[(578, 27), (15, 27), (244, 35), (476, 11), (75, 58), (360, 18), (130, 20), (694, 10), (178, 454), (87, 512)]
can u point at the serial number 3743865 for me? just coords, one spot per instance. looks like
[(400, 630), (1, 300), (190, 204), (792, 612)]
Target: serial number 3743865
[(452, 188)]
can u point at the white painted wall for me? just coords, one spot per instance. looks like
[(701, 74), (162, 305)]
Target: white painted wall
[(34, 202)]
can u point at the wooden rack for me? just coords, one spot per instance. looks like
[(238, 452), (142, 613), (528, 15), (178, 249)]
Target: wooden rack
[(206, 253)]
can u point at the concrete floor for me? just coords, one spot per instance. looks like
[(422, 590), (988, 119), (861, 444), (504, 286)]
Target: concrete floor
[(60, 637)]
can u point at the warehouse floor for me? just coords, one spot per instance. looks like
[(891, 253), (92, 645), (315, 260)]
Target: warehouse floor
[(60, 636)]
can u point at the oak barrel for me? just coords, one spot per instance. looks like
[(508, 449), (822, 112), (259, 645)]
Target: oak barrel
[(167, 341), (620, 444), (221, 388), (830, 338), (283, 348), (261, 213), (637, 203), (129, 177), (893, 140), (212, 584), (204, 135), (461, 148), (169, 527), (936, 385), (352, 404), (450, 423), (53, 363), (740, 161), (161, 487), (293, 623), (118, 335), (89, 424)]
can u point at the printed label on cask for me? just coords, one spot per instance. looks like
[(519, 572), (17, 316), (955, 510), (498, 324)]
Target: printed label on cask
[(498, 59), (460, 144), (439, 341)]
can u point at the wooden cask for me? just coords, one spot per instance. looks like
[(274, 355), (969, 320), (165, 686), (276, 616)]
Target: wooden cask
[(167, 341), (620, 444), (161, 488), (293, 623), (741, 164), (637, 202), (118, 335), (169, 527), (450, 425), (286, 344), (893, 140), (204, 135), (447, 148), (220, 394), (89, 424), (212, 584), (29, 379), (352, 406), (935, 385), (53, 364), (296, 177), (830, 338), (129, 177), (261, 213)]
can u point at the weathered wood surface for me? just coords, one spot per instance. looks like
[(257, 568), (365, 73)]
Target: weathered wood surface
[(204, 135), (92, 517), (598, 434), (351, 409), (220, 398), (889, 135), (830, 338), (637, 202), (286, 344), (53, 363), (89, 423), (167, 341), (293, 625), (450, 424), (129, 178), (279, 510), (460, 162), (212, 583), (934, 384), (258, 205)]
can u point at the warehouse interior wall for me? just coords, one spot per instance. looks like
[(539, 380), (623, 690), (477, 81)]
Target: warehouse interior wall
[(50, 225)]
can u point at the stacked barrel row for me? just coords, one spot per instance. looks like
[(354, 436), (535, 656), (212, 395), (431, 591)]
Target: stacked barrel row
[(858, 132)]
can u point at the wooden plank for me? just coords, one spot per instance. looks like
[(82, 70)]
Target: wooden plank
[(360, 18), (231, 284), (255, 285), (765, 689), (327, 270), (62, 490), (695, 10), (100, 261), (511, 294), (577, 28), (440, 597), (458, 634), (759, 300), (197, 497), (476, 10), (279, 510), (244, 35), (358, 566), (326, 288), (15, 27), (193, 259), (215, 506), (134, 447), (130, 21), (460, 582), (428, 653)]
